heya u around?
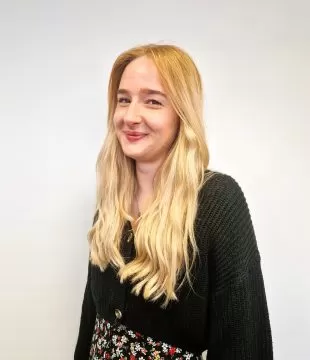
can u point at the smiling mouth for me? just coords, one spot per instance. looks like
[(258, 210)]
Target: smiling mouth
[(135, 137)]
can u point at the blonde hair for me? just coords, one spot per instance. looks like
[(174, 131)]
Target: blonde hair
[(164, 239)]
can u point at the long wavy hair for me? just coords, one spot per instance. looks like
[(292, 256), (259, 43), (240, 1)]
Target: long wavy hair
[(164, 239)]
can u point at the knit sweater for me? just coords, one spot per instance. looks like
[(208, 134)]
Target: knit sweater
[(225, 311)]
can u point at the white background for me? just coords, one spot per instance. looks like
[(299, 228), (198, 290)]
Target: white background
[(55, 59)]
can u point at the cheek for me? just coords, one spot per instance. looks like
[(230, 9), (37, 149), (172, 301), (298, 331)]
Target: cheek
[(163, 128), (171, 127), (173, 131), (117, 120)]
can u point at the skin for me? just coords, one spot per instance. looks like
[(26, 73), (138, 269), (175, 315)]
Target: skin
[(143, 107)]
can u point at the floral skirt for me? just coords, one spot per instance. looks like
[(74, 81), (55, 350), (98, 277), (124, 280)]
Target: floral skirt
[(117, 342)]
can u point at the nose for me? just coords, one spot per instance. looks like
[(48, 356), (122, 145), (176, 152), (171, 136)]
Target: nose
[(132, 114)]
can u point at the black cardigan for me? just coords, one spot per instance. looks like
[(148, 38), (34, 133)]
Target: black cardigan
[(227, 311)]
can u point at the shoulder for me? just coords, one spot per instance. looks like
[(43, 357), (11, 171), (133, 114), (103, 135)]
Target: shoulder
[(223, 213), (220, 189), (226, 223), (226, 231), (220, 198)]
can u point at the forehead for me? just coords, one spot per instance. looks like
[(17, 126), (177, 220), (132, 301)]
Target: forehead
[(141, 72)]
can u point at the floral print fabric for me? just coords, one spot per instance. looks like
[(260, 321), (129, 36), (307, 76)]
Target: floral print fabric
[(118, 342)]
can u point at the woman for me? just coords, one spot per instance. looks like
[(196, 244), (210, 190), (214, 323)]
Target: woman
[(174, 266)]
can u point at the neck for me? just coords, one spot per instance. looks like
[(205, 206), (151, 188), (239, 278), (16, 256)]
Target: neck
[(145, 174)]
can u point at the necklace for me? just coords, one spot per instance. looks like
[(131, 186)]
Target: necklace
[(137, 204), (134, 223)]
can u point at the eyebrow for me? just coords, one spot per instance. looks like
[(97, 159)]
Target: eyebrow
[(145, 91)]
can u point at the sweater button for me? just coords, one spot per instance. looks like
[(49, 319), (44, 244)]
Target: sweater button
[(118, 314)]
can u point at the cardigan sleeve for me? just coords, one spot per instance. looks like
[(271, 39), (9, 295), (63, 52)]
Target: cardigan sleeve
[(87, 322), (88, 317), (238, 319)]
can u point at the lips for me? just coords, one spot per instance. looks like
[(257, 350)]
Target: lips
[(134, 133), (133, 136)]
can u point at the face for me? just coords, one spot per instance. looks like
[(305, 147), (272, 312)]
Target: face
[(145, 122)]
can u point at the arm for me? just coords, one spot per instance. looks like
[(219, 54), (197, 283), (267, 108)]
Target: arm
[(87, 323), (238, 323), (88, 318)]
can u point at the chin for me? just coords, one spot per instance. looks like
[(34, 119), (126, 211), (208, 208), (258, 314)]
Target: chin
[(134, 156), (137, 156)]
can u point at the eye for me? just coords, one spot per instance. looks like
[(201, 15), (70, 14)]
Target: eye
[(123, 100), (153, 102)]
